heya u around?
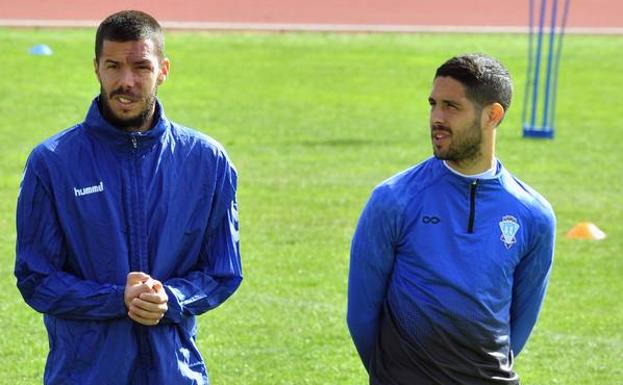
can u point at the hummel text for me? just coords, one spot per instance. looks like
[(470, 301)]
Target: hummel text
[(89, 190)]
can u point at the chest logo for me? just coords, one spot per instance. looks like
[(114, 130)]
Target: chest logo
[(509, 227), (430, 219), (89, 190)]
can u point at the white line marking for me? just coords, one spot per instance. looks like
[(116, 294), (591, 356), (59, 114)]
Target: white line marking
[(283, 27)]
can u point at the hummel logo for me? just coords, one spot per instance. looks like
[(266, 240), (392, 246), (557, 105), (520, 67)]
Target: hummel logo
[(89, 190)]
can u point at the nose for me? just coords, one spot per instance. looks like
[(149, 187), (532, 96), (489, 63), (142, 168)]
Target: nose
[(436, 115), (126, 79)]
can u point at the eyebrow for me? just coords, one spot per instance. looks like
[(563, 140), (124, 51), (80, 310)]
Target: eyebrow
[(142, 61), (447, 101), (138, 62)]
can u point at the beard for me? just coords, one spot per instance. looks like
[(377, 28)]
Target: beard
[(464, 147), (130, 123)]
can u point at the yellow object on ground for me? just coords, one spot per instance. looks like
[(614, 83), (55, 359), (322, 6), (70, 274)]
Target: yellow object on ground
[(585, 230)]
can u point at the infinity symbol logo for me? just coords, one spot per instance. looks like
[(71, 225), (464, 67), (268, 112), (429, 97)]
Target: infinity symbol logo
[(431, 220)]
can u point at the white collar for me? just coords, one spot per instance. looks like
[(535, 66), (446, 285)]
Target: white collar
[(489, 174)]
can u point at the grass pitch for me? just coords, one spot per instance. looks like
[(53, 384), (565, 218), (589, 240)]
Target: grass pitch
[(313, 122)]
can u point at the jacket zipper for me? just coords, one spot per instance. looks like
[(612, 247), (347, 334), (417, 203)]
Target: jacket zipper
[(138, 260), (472, 206), (136, 211)]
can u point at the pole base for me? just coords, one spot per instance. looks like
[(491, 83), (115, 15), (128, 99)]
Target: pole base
[(538, 132)]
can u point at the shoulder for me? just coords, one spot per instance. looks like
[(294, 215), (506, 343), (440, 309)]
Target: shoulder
[(204, 154), (58, 146), (393, 195), (538, 209), (207, 159), (199, 144), (406, 184)]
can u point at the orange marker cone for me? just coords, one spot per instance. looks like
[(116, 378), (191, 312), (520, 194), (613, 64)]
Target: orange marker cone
[(585, 230)]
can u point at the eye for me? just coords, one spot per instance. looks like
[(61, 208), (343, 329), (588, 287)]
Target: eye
[(143, 66)]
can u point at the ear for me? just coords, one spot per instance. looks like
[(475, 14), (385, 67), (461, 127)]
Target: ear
[(96, 68), (165, 66), (492, 115)]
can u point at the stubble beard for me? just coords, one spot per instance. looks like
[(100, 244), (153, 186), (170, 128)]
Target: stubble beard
[(462, 149), (132, 123)]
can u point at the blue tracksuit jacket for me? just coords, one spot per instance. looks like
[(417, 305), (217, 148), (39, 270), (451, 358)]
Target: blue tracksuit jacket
[(454, 268), (97, 203)]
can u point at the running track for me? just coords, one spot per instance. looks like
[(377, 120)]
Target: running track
[(585, 15)]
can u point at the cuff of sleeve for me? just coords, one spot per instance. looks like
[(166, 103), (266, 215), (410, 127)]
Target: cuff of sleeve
[(119, 300), (174, 313)]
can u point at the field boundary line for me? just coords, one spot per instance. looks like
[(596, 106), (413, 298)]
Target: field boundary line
[(305, 27)]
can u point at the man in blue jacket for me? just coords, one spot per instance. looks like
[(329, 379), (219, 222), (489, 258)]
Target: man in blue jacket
[(127, 226), (451, 258)]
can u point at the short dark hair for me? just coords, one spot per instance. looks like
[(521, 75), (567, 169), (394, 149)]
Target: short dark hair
[(129, 25), (485, 79)]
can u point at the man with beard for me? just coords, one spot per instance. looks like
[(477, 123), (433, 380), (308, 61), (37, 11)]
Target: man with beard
[(451, 258), (127, 226)]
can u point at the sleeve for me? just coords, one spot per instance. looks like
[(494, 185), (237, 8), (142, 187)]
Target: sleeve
[(530, 281), (41, 257), (371, 263), (219, 272)]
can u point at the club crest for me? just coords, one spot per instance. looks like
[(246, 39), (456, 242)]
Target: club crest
[(509, 227)]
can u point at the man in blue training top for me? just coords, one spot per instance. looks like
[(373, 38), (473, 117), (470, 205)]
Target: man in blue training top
[(127, 226), (451, 258)]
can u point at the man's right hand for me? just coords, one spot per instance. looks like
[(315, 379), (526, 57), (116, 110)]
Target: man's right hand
[(137, 284), (145, 299)]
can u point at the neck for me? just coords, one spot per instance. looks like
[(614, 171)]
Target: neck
[(484, 161), (147, 124), (472, 167)]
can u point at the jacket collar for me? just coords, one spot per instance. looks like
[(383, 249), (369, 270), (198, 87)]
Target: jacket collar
[(124, 141), (500, 173)]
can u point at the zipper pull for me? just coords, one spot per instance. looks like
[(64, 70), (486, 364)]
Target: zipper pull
[(134, 142)]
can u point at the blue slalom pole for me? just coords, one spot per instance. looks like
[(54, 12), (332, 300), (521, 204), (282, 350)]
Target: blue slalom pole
[(537, 64), (547, 124), (561, 33), (524, 114), (545, 83)]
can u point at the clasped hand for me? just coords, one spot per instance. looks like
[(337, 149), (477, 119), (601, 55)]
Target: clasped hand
[(145, 299)]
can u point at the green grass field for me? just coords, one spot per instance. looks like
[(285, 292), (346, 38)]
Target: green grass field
[(313, 122)]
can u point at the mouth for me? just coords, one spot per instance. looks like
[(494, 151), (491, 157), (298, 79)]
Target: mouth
[(125, 102), (124, 99), (440, 136)]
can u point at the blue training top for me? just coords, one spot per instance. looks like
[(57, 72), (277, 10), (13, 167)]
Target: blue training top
[(462, 266)]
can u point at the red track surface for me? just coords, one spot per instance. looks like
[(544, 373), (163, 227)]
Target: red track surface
[(583, 13)]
